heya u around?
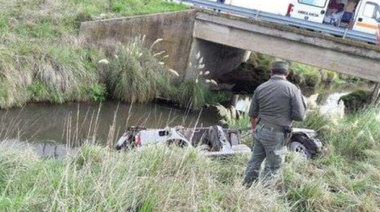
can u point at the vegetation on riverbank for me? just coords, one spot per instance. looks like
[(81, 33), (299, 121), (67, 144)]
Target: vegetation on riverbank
[(42, 56), (345, 177), (356, 100), (257, 69)]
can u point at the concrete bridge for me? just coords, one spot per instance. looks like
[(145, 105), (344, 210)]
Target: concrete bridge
[(223, 40), (323, 51)]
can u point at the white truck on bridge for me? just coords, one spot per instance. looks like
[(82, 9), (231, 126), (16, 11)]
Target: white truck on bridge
[(358, 15), (363, 16)]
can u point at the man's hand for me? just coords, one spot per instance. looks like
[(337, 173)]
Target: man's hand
[(253, 124), (252, 131), (378, 34)]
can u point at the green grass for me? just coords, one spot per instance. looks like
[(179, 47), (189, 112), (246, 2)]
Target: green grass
[(42, 55), (308, 75), (135, 74), (154, 178), (344, 177)]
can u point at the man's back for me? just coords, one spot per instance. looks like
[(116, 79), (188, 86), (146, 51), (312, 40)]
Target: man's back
[(278, 102), (275, 104)]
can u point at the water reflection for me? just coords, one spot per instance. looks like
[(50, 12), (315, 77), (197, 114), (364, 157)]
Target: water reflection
[(324, 98), (63, 123)]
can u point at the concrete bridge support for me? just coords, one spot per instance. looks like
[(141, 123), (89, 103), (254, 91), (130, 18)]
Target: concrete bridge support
[(216, 58)]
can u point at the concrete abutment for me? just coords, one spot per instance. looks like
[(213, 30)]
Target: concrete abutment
[(218, 59)]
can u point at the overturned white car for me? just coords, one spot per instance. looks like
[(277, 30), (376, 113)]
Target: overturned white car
[(215, 140)]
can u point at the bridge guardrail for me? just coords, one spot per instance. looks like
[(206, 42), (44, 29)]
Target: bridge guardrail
[(251, 13)]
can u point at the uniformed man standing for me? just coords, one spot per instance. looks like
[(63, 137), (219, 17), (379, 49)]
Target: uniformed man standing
[(275, 105)]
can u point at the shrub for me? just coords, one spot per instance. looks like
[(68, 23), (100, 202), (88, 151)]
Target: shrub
[(39, 92), (97, 92), (356, 100), (331, 76), (311, 75), (312, 79)]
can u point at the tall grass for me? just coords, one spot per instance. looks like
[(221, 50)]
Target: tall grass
[(160, 178), (344, 174), (344, 177), (42, 57), (136, 75), (234, 118), (194, 91), (152, 179)]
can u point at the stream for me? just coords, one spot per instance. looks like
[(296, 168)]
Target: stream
[(50, 127), (61, 123)]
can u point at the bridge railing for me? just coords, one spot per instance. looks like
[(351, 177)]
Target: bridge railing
[(257, 14)]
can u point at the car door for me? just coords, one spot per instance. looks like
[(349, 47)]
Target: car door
[(367, 17)]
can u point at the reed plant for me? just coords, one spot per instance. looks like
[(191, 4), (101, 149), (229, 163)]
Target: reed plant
[(234, 118), (136, 75), (343, 178)]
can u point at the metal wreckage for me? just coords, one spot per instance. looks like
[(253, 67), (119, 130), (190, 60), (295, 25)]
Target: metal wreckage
[(215, 141)]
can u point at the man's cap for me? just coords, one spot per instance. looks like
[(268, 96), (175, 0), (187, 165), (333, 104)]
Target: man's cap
[(280, 65)]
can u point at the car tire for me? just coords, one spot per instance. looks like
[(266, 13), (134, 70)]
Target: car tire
[(299, 149)]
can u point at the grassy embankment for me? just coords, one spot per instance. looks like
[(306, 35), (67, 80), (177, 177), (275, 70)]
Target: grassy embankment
[(43, 58), (345, 177)]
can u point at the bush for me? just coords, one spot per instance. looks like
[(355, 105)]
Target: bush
[(312, 79), (356, 100), (311, 75), (97, 92)]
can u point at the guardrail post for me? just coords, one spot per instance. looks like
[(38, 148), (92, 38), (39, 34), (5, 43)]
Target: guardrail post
[(257, 13), (345, 33)]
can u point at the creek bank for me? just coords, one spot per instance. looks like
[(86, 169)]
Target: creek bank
[(44, 57)]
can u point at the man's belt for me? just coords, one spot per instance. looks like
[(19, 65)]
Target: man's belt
[(271, 127)]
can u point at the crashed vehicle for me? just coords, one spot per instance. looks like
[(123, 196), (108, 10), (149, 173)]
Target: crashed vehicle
[(215, 140), (304, 142)]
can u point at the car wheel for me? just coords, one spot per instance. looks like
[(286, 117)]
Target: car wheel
[(299, 149)]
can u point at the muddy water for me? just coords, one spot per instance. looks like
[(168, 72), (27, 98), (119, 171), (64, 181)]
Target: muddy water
[(77, 121)]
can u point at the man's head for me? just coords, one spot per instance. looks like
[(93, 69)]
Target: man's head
[(280, 68)]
